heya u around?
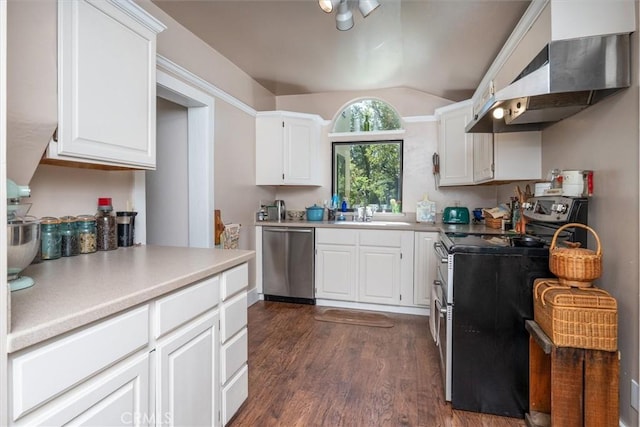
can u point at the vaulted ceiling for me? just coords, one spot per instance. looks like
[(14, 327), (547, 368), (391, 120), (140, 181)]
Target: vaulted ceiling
[(442, 47)]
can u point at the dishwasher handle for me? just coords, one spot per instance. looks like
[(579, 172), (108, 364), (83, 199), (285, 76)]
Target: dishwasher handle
[(288, 230)]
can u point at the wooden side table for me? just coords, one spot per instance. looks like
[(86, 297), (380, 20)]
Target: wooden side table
[(570, 386)]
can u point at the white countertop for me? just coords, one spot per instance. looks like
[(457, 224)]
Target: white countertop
[(75, 291), (388, 225)]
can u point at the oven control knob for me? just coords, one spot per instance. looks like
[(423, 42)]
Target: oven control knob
[(558, 208)]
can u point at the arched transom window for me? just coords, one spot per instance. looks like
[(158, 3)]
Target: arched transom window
[(367, 115)]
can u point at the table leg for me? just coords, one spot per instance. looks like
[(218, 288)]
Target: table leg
[(567, 382)]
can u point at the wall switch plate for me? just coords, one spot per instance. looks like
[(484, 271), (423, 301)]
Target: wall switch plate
[(635, 398)]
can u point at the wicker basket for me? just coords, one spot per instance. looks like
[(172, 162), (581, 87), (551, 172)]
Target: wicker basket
[(576, 317), (575, 266), (492, 222)]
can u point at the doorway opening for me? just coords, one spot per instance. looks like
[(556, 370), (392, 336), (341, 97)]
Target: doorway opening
[(194, 169)]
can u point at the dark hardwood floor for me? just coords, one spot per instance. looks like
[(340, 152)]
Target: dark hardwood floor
[(304, 372)]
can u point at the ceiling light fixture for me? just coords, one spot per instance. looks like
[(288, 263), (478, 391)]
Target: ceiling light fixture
[(344, 16), (328, 5), (367, 6)]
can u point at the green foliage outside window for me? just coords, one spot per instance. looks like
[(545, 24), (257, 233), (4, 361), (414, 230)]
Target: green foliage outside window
[(368, 173), (367, 115)]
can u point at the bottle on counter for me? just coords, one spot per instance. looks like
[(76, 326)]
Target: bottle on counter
[(69, 236), (87, 237), (50, 237), (106, 226)]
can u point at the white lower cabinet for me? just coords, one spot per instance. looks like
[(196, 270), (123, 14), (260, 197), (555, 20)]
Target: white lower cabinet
[(118, 397), (234, 369), (186, 380), (58, 368), (335, 272), (379, 278), (157, 364), (372, 266), (424, 267)]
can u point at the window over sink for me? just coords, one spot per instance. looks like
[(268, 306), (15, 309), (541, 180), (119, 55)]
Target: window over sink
[(367, 170)]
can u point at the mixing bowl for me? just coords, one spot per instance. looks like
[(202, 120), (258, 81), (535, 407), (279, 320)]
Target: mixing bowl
[(23, 242)]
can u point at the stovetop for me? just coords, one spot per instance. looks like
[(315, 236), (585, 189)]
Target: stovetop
[(487, 243)]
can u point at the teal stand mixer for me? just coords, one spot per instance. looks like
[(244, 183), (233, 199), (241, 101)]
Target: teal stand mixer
[(23, 236)]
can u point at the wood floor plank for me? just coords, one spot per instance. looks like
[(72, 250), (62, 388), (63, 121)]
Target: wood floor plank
[(304, 372)]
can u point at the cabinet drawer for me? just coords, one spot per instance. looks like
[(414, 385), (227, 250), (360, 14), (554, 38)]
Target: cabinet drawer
[(233, 316), (183, 305), (47, 371), (233, 355), (331, 236), (108, 399), (234, 394), (235, 280), (389, 239)]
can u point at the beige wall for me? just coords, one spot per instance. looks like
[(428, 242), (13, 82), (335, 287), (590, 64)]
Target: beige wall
[(420, 142), (184, 48), (167, 188), (236, 193), (604, 138), (58, 191)]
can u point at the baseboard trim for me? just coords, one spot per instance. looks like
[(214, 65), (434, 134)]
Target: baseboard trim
[(254, 296), (418, 311)]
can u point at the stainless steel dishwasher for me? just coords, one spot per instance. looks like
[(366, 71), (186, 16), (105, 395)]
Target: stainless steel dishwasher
[(288, 264)]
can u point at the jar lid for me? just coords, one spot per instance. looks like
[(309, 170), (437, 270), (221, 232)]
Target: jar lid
[(49, 220), (86, 218), (68, 218), (126, 213), (104, 201)]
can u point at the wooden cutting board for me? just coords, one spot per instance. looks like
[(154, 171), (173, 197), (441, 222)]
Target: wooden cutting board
[(218, 226)]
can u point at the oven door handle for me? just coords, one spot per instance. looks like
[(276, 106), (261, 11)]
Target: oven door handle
[(438, 306), (441, 252)]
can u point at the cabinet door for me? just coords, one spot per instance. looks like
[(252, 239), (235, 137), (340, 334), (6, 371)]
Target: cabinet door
[(482, 157), (117, 397), (106, 84), (287, 149), (300, 151), (187, 374), (379, 275), (269, 150), (425, 267), (336, 272), (455, 147)]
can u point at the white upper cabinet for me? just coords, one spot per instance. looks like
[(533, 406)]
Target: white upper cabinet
[(287, 149), (458, 161), (475, 158), (106, 84), (483, 164)]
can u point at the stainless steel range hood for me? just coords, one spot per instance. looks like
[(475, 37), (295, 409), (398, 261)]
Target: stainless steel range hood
[(566, 77)]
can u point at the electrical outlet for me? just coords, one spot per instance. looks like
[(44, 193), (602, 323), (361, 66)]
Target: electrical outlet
[(635, 399)]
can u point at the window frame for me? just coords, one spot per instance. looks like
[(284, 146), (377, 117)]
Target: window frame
[(400, 142)]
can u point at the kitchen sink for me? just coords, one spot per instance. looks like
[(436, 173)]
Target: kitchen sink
[(373, 223)]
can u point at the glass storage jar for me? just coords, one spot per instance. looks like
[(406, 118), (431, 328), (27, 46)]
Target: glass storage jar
[(68, 236), (86, 234), (50, 237), (106, 227)]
